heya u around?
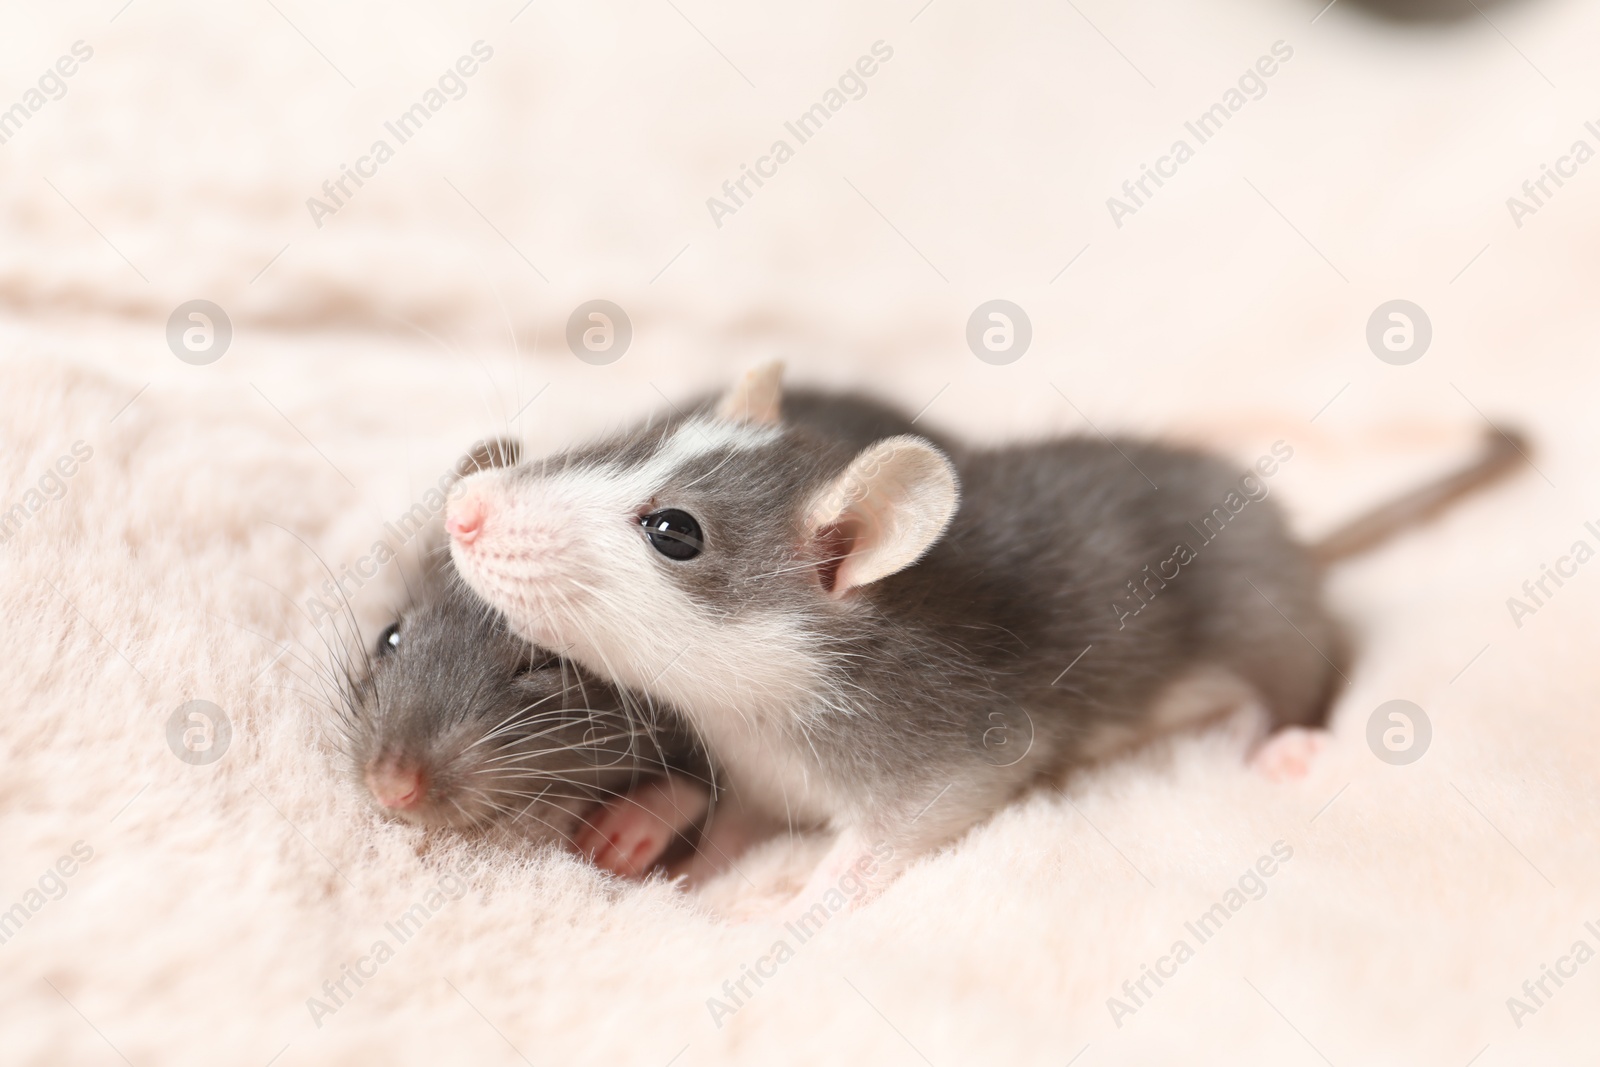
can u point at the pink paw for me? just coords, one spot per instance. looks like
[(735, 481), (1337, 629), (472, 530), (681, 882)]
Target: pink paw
[(628, 834), (1287, 755), (624, 839)]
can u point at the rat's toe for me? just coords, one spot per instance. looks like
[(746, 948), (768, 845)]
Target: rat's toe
[(1287, 755)]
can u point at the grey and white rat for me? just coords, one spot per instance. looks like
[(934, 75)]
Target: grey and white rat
[(455, 721), (895, 638)]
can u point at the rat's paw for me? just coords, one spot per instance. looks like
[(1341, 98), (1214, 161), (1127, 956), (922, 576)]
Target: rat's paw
[(1287, 755), (624, 839), (628, 834)]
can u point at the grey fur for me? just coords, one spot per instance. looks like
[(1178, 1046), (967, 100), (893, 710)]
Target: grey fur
[(508, 734), (932, 671)]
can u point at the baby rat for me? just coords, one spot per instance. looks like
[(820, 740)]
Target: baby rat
[(857, 649), (457, 722)]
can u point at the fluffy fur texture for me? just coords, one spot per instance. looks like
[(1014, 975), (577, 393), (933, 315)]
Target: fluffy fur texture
[(485, 728), (219, 898), (929, 697)]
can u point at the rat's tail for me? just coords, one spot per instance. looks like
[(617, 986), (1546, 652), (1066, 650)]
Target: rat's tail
[(1502, 453)]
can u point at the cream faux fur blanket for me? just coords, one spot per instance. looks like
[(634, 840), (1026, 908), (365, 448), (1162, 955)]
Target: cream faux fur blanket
[(164, 520)]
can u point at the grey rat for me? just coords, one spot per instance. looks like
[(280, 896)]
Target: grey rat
[(896, 638), (455, 721)]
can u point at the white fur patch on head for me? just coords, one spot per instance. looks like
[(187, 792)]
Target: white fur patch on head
[(758, 398), (560, 551), (563, 557), (890, 505), (572, 536), (694, 438), (557, 549)]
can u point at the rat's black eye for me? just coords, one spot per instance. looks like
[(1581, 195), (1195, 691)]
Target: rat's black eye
[(673, 533), (389, 640)]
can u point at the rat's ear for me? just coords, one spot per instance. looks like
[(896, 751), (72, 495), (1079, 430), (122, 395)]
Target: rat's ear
[(888, 507), (757, 399), (492, 452)]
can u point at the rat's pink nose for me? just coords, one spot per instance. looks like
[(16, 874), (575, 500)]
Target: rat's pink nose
[(465, 518), (396, 784)]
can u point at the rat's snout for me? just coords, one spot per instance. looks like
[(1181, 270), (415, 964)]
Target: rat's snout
[(395, 783), (465, 517)]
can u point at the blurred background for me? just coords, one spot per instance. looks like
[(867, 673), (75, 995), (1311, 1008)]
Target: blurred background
[(577, 163), (1364, 227)]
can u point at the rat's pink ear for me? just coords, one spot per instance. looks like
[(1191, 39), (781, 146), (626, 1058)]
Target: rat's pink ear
[(888, 507), (757, 399)]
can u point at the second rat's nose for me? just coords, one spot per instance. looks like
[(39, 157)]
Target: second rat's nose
[(396, 784), (465, 518)]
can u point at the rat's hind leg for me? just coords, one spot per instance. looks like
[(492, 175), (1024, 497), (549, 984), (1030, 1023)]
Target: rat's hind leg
[(630, 832), (1197, 697), (1213, 694)]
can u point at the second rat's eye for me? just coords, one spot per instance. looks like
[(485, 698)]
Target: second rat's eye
[(673, 533), (389, 639)]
